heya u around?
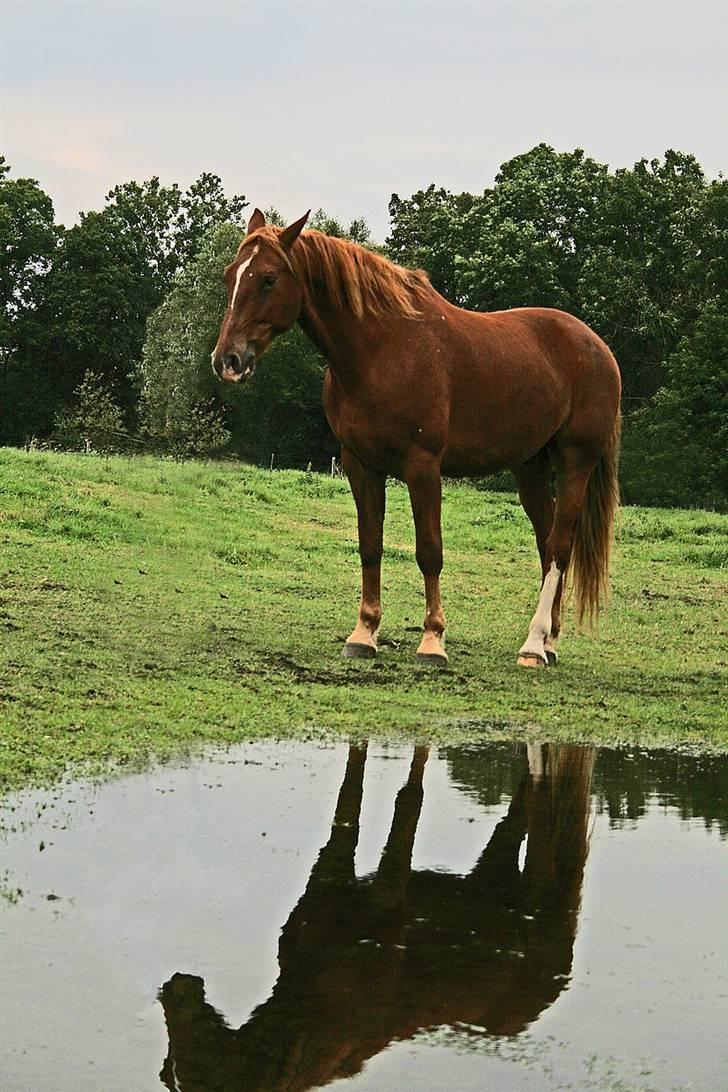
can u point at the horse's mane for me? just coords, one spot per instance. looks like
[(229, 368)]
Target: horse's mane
[(356, 278)]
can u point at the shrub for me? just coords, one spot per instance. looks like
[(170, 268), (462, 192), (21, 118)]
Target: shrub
[(93, 421)]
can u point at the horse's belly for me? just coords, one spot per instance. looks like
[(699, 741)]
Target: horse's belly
[(490, 450), (498, 427), (472, 463)]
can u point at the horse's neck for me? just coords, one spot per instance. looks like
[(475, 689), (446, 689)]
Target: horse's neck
[(342, 338), (335, 332)]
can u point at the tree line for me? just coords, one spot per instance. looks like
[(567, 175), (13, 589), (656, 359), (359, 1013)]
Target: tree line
[(106, 327)]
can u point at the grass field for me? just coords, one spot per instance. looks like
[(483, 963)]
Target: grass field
[(147, 606)]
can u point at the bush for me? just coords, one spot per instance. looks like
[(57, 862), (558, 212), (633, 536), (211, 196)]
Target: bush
[(93, 421), (197, 432)]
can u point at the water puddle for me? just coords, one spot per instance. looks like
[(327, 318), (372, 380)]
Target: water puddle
[(284, 917)]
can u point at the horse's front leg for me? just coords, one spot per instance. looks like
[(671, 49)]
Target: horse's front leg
[(368, 487), (425, 490)]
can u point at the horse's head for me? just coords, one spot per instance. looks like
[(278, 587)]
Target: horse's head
[(264, 297)]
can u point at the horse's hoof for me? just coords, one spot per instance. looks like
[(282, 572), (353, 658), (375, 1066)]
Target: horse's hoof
[(355, 650), (552, 657), (528, 659), (434, 659)]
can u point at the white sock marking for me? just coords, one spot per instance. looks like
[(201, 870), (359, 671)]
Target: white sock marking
[(536, 765), (540, 627)]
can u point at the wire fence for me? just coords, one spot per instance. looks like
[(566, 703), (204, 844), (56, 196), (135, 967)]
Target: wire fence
[(329, 466), (121, 444)]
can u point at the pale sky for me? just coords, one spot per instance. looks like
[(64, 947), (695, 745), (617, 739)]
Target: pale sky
[(337, 105)]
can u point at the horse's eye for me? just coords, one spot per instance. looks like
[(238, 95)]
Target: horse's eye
[(269, 279)]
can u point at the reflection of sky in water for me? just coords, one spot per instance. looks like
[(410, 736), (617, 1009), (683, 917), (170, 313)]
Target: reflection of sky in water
[(196, 870)]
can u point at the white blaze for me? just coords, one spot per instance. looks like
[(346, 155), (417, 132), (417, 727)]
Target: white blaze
[(241, 269)]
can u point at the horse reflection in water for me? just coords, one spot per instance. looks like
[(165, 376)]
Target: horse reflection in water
[(368, 961)]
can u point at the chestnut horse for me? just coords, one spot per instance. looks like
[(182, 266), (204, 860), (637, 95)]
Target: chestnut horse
[(417, 388)]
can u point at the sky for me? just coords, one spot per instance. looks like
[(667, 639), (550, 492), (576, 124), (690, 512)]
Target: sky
[(338, 105)]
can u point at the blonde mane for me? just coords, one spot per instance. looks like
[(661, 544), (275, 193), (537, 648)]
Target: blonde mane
[(356, 279)]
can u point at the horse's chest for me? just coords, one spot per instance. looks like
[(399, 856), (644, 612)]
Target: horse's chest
[(380, 431), (372, 436)]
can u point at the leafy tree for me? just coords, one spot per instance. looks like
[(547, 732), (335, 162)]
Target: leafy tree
[(676, 449), (166, 225), (93, 419), (434, 230), (519, 243), (633, 253), (29, 239), (641, 255), (531, 233), (278, 411), (557, 194), (175, 373), (358, 230), (716, 239), (514, 263), (99, 293), (202, 207), (109, 273), (647, 276)]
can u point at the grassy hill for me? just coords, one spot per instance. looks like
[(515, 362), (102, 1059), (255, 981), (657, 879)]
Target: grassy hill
[(147, 606)]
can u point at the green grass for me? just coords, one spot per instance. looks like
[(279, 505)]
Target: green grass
[(148, 606)]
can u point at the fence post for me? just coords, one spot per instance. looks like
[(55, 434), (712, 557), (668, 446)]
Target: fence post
[(272, 457)]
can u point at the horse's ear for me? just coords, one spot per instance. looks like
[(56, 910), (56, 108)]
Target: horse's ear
[(289, 235), (257, 220)]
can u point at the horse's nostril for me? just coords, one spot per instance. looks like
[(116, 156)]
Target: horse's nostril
[(232, 361)]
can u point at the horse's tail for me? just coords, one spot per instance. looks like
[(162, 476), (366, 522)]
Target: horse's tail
[(595, 532)]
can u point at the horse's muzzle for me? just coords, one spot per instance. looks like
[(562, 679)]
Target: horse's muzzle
[(234, 367)]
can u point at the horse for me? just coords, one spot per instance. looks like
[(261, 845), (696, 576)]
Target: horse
[(368, 961), (417, 388)]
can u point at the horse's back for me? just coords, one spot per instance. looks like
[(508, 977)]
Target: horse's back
[(542, 338)]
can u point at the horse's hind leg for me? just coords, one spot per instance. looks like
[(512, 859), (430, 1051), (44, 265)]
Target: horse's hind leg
[(534, 490), (368, 487), (573, 468)]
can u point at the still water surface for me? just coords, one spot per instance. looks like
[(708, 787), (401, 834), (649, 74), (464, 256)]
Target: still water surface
[(288, 917)]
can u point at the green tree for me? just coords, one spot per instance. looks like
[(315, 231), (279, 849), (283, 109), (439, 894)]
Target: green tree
[(647, 277), (29, 239), (99, 293), (435, 230), (640, 254), (93, 421), (202, 207), (166, 225), (676, 449), (175, 373), (358, 230), (531, 234), (109, 273), (521, 242)]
